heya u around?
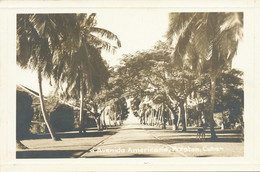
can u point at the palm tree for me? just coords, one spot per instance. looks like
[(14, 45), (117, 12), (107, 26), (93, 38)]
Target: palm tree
[(36, 40), (210, 42), (81, 67)]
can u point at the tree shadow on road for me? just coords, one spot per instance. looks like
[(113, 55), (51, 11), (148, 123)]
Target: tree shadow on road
[(185, 140), (74, 134), (49, 154), (194, 130)]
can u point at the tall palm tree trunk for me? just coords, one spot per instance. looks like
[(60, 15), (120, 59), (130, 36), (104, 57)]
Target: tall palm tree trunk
[(19, 145), (184, 128), (152, 116), (176, 122), (121, 118), (212, 107), (81, 127), (44, 114), (115, 118), (104, 121), (158, 117), (175, 119), (163, 117), (98, 122), (143, 114)]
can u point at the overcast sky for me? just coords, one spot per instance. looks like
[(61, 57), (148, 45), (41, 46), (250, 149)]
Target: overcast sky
[(137, 30)]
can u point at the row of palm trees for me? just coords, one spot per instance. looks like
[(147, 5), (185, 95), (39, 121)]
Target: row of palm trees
[(209, 41), (162, 92), (201, 44), (66, 49)]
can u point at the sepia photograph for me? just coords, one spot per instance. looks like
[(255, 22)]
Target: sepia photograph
[(99, 86), (178, 96)]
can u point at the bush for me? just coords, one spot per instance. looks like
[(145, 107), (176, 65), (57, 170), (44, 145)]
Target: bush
[(88, 122), (39, 128), (24, 114), (62, 118)]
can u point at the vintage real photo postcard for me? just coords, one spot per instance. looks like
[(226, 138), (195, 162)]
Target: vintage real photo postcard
[(144, 85)]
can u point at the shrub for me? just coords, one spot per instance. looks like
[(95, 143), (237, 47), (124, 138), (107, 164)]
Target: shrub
[(62, 118), (88, 120), (24, 114)]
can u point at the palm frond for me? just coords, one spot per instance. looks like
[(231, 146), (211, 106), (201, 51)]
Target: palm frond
[(177, 23), (43, 24), (180, 48), (91, 20), (106, 34), (99, 43)]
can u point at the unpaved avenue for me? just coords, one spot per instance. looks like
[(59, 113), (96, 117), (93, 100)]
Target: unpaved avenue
[(136, 140), (133, 140)]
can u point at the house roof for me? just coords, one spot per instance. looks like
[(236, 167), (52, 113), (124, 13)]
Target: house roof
[(35, 97), (30, 91)]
